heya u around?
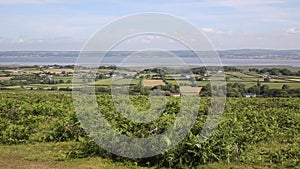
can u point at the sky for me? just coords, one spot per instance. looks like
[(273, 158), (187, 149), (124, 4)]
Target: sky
[(228, 24)]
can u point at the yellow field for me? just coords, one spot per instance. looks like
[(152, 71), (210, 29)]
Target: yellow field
[(152, 83), (190, 91), (297, 80), (59, 70)]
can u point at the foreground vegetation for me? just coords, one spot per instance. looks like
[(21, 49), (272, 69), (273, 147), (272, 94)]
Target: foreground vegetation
[(40, 130)]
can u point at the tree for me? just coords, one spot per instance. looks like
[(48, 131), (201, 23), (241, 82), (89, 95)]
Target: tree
[(54, 88), (258, 83), (267, 79), (285, 87), (253, 89), (264, 89)]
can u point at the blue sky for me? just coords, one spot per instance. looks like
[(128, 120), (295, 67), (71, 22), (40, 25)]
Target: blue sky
[(229, 24)]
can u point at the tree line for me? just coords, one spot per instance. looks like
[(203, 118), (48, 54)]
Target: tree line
[(259, 90)]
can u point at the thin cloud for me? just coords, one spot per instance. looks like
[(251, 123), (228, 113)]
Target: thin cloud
[(243, 4), (30, 1), (293, 30), (214, 31), (238, 4), (21, 40)]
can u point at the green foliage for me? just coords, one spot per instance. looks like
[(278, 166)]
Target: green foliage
[(245, 123), (37, 117), (250, 131), (276, 71), (231, 69), (238, 90)]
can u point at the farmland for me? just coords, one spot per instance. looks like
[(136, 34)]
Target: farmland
[(60, 78), (275, 82)]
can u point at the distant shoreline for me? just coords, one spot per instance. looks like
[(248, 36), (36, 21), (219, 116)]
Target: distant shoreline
[(243, 57)]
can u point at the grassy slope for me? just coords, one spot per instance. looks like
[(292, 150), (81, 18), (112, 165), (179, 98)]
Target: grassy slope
[(52, 155)]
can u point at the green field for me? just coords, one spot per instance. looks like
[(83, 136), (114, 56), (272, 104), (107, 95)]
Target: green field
[(110, 81), (239, 74), (180, 82), (65, 79)]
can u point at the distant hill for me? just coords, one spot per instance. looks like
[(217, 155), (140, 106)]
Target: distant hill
[(237, 54), (38, 53), (260, 53)]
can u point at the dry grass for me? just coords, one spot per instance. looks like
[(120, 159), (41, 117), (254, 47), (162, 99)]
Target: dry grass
[(188, 90), (5, 78), (15, 162), (51, 156), (59, 70), (152, 83), (297, 80)]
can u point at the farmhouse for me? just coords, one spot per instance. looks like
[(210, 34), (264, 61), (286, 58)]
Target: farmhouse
[(42, 75), (175, 94), (249, 95)]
